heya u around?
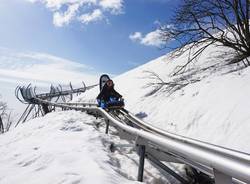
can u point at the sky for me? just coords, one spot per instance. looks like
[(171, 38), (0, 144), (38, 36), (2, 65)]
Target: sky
[(108, 35), (58, 41)]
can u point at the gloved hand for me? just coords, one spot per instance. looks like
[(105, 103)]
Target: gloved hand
[(99, 102), (103, 105), (112, 99)]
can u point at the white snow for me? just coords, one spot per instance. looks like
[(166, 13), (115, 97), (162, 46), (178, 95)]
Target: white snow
[(67, 147)]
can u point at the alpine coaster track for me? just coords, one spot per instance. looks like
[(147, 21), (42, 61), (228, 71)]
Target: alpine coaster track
[(226, 166)]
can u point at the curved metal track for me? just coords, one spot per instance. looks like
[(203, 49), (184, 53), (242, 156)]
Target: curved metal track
[(225, 165)]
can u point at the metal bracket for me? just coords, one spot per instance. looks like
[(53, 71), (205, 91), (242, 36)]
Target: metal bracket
[(221, 178)]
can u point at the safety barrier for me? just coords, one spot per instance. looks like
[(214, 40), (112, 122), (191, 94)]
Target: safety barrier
[(225, 165)]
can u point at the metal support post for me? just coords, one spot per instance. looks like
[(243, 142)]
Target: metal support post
[(45, 108), (166, 168), (107, 127), (221, 178), (142, 150)]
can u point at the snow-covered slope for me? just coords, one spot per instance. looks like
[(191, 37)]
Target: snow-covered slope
[(214, 109), (67, 148)]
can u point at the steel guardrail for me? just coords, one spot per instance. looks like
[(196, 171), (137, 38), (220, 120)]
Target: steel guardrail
[(226, 161)]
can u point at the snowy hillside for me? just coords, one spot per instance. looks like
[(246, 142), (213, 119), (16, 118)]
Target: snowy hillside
[(71, 147), (214, 109), (67, 147)]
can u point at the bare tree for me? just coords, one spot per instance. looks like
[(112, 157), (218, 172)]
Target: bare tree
[(201, 23), (3, 108), (1, 125), (5, 117)]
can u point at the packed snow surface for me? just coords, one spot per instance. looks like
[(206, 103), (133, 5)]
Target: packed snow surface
[(67, 147)]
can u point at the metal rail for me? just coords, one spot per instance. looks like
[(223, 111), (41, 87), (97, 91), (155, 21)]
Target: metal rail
[(226, 165)]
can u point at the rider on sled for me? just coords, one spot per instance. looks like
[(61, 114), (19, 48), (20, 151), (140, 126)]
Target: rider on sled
[(109, 97)]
